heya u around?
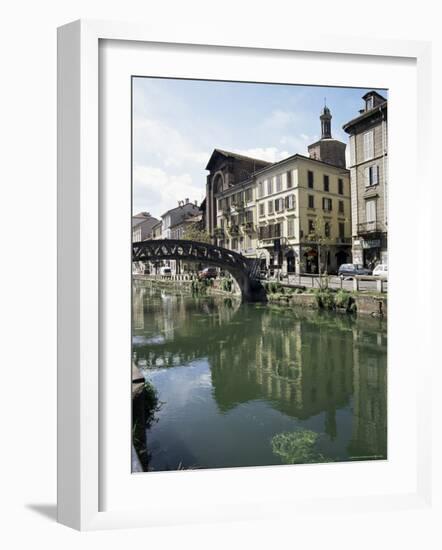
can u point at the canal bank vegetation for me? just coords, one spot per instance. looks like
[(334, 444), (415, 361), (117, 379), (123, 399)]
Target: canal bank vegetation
[(340, 300), (298, 447), (145, 406)]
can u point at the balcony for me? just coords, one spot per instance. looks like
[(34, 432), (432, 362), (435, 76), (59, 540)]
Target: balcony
[(343, 240), (238, 206), (248, 227), (367, 228)]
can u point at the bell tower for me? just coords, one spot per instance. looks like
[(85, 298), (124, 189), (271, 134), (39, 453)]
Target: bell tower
[(326, 123), (327, 149)]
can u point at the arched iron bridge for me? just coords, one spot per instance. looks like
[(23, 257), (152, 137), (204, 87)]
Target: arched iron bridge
[(244, 270)]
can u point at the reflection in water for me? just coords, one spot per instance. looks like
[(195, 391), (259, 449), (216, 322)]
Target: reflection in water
[(231, 377)]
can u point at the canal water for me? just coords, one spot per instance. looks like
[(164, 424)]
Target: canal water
[(254, 384)]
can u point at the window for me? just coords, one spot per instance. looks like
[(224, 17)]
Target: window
[(326, 183), (368, 145), (278, 183), (270, 207), (311, 201), (371, 175), (327, 229), (289, 180), (370, 211), (369, 103), (260, 189), (269, 186), (311, 226), (238, 198), (290, 202), (249, 196), (249, 215), (262, 210), (279, 205), (277, 230), (291, 228), (340, 186), (341, 207), (341, 230), (310, 179), (326, 204), (235, 244)]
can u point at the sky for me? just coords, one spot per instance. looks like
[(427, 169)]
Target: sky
[(178, 123)]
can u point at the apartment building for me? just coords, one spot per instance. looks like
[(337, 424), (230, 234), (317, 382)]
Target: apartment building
[(236, 219), (142, 225), (293, 215), (303, 213), (369, 175)]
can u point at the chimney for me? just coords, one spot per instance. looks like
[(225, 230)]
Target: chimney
[(196, 203), (187, 201)]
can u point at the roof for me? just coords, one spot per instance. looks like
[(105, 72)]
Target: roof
[(181, 207), (373, 92), (367, 114), (238, 156), (302, 157), (326, 139), (141, 217)]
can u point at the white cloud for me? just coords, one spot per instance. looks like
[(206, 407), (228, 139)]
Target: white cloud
[(280, 120), (153, 138), (157, 191)]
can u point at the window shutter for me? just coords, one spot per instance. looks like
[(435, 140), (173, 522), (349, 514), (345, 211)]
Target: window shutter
[(367, 176), (375, 174)]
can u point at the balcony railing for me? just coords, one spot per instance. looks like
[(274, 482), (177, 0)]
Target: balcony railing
[(370, 227), (248, 227), (343, 240)]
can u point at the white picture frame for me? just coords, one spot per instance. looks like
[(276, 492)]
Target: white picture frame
[(81, 293)]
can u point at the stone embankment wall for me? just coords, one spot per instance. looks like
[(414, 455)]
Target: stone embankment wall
[(366, 304), (185, 282)]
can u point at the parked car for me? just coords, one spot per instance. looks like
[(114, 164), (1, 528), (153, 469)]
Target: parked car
[(349, 270), (381, 271), (165, 270), (208, 273)]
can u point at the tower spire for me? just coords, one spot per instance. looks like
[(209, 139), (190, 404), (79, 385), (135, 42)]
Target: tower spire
[(325, 121)]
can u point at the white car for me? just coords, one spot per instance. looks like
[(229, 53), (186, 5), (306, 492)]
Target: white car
[(381, 270)]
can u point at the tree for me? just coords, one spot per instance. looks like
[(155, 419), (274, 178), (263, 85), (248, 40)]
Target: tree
[(321, 237), (193, 232)]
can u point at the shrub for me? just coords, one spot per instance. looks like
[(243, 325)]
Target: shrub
[(273, 287), (325, 299), (345, 300)]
